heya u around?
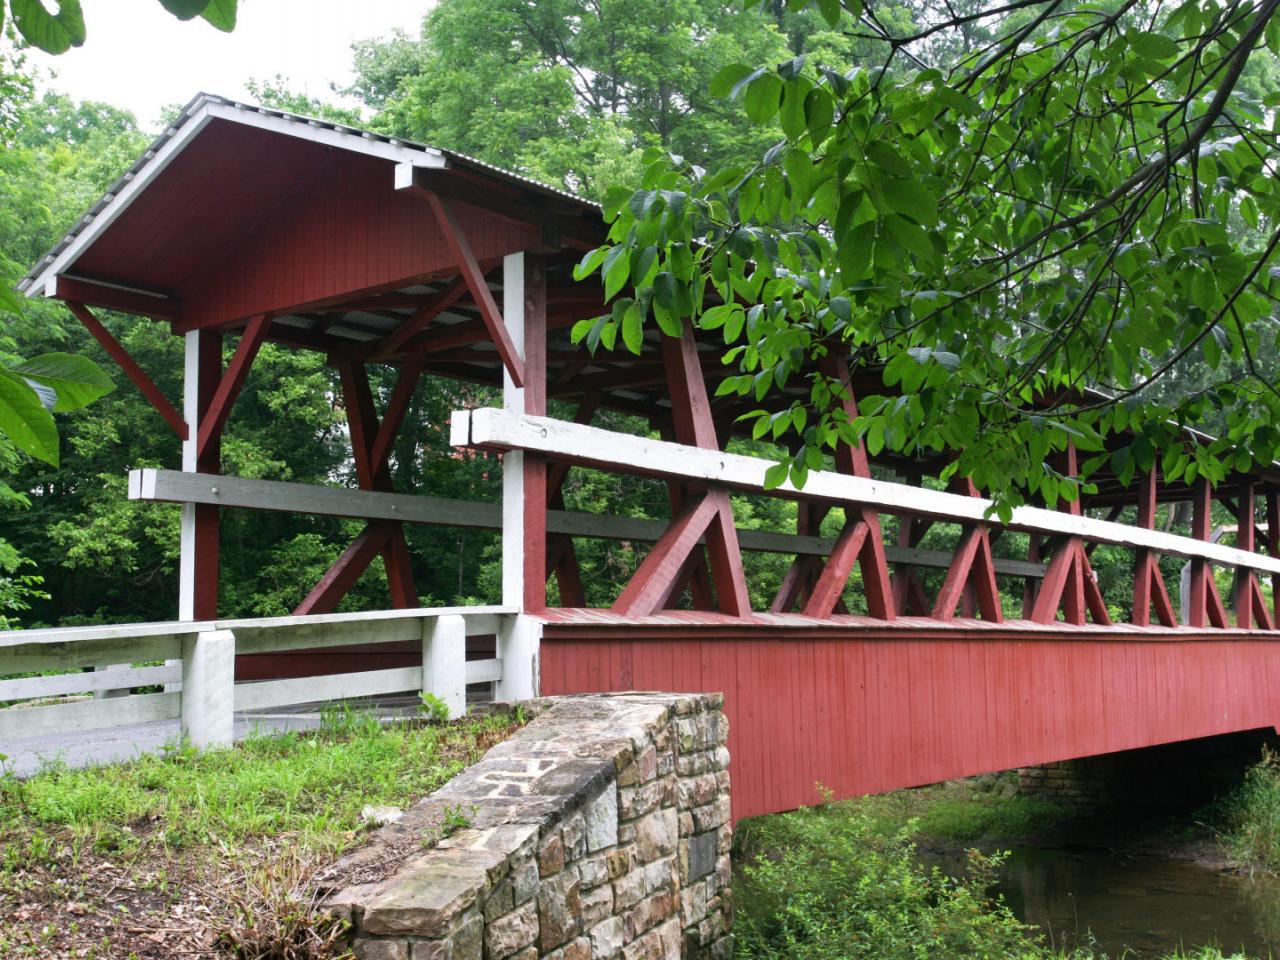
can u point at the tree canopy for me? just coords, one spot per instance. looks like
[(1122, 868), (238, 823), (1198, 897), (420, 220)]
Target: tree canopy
[(1029, 216)]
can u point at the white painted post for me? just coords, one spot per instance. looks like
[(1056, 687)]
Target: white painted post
[(513, 460), (208, 688), (191, 412), (444, 661), (518, 642), (518, 639)]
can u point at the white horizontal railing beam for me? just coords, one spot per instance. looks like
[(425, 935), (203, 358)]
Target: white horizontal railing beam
[(605, 449), (174, 486), (71, 648), (338, 686), (112, 678), (483, 671), (18, 722)]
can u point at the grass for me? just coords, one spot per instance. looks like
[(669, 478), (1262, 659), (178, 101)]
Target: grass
[(952, 813), (1249, 817), (101, 858)]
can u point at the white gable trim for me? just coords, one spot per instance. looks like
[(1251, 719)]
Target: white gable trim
[(158, 158)]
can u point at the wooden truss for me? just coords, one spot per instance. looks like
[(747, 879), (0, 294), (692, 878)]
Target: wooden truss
[(703, 511)]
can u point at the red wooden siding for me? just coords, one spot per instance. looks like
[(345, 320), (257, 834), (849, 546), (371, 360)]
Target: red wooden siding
[(276, 222), (343, 232), (861, 714)]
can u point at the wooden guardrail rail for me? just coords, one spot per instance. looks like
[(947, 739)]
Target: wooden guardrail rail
[(1068, 583), (199, 668)]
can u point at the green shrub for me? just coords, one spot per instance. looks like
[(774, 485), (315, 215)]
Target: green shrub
[(832, 883), (836, 888), (1250, 815)]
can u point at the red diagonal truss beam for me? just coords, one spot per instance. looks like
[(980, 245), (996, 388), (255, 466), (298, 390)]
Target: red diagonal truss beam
[(860, 541), (1251, 606), (908, 592), (1069, 583), (385, 538), (702, 511), (134, 372), (972, 573), (474, 278), (346, 570), (656, 578), (1204, 605), (417, 321), (393, 416), (1149, 588), (232, 381)]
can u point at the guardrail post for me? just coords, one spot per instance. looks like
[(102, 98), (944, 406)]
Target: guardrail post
[(208, 688), (518, 649), (444, 661)]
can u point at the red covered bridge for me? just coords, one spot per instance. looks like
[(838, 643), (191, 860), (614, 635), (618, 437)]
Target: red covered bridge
[(243, 225)]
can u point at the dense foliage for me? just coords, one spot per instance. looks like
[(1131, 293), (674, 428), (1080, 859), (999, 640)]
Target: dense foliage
[(823, 884), (1250, 816), (1008, 209)]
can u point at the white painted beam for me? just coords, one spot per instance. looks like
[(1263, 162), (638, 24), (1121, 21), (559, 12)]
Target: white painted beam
[(504, 430), (19, 722), (187, 534), (112, 678), (337, 686), (174, 486)]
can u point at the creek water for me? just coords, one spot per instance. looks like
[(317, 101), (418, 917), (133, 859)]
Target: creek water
[(1142, 904)]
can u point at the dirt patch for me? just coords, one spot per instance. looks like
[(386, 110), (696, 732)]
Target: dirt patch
[(125, 889)]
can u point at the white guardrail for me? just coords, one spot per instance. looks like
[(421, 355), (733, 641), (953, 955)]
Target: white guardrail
[(198, 673)]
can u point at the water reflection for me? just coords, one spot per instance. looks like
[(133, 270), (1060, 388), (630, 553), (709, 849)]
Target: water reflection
[(1144, 904)]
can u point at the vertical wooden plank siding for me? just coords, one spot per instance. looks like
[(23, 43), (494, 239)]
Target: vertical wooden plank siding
[(867, 715), (345, 231)]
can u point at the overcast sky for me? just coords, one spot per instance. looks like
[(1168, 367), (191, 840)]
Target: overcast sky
[(139, 57)]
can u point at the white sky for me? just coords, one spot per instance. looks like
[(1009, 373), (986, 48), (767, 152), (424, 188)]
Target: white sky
[(139, 57)]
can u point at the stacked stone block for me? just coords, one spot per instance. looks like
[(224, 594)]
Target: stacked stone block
[(599, 832)]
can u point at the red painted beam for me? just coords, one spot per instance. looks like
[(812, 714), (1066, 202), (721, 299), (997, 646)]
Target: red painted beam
[(393, 416), (474, 277), (232, 381), (652, 583), (534, 573), (135, 373), (417, 321), (346, 570), (113, 297)]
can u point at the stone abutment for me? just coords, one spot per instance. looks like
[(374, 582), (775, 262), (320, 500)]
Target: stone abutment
[(601, 830)]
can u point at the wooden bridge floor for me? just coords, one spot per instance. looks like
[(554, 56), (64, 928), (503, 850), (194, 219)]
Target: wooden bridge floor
[(858, 706)]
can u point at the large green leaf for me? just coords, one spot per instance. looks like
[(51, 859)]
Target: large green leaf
[(222, 14), (51, 32), (25, 421), (185, 9), (76, 381)]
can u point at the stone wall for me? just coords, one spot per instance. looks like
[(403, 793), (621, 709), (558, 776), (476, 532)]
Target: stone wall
[(599, 831), (1166, 778)]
